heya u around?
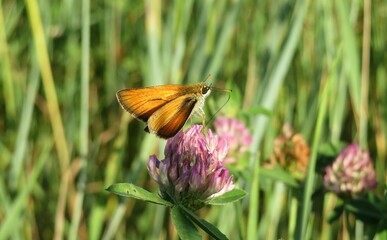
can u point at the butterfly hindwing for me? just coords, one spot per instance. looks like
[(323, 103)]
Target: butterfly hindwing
[(171, 117)]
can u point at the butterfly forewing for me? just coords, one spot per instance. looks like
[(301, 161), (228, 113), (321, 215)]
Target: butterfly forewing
[(170, 118), (143, 102)]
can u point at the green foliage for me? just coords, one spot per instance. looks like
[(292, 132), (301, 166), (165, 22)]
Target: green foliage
[(229, 197), (281, 175), (203, 224), (64, 139), (130, 190), (182, 217), (185, 228)]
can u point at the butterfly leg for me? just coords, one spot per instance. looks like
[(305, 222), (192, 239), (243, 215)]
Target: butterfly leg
[(202, 115)]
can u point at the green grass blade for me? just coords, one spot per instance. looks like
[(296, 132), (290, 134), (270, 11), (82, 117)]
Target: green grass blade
[(350, 53), (308, 191), (279, 73), (254, 203), (6, 71), (48, 82), (84, 121), (7, 225), (24, 126)]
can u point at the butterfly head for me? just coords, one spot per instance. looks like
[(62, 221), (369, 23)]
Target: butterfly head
[(206, 90)]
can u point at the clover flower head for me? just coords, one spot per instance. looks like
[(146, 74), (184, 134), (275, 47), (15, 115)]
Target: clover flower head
[(236, 134), (291, 152), (351, 173), (192, 171)]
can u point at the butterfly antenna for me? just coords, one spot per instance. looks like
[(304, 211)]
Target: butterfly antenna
[(208, 76), (224, 104)]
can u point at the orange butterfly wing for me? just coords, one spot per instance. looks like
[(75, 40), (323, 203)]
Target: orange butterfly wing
[(143, 102), (170, 118)]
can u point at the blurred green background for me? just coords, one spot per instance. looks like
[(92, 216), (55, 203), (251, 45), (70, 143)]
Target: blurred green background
[(319, 65)]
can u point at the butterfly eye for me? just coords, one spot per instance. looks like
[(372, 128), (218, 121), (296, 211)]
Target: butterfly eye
[(205, 89)]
